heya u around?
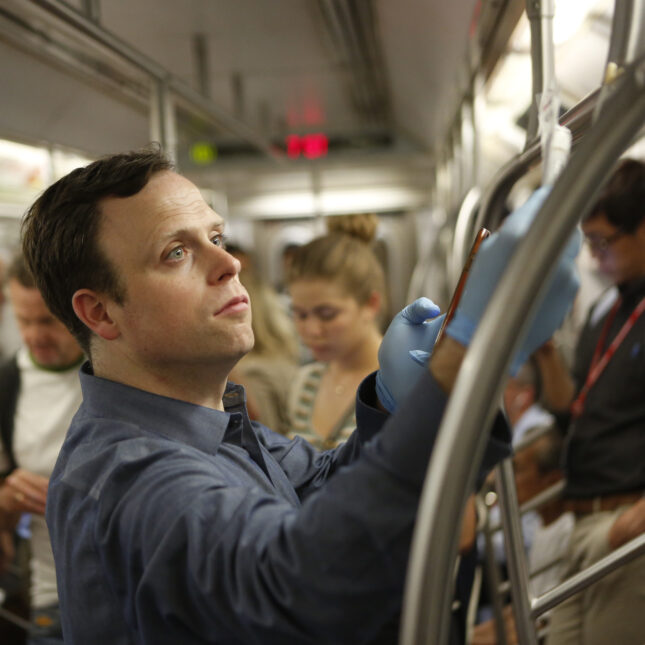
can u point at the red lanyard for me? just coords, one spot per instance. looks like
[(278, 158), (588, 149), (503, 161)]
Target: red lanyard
[(599, 363)]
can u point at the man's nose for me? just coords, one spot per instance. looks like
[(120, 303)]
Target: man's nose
[(223, 265)]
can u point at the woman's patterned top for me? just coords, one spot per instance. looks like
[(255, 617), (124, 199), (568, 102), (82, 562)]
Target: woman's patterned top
[(301, 407)]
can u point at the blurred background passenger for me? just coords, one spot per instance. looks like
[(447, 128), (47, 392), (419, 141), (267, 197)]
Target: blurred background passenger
[(2, 303), (39, 394), (267, 371), (601, 407), (337, 288)]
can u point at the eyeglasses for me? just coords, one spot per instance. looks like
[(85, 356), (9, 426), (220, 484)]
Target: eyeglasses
[(601, 244)]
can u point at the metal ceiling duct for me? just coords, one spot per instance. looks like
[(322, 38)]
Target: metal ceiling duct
[(350, 27)]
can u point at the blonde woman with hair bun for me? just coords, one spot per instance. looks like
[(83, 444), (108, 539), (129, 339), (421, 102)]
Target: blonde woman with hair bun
[(337, 289), (267, 371)]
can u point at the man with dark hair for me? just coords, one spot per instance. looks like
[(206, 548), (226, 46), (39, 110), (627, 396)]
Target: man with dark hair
[(602, 408), (174, 518), (39, 394)]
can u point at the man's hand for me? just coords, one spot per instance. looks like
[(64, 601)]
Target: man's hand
[(628, 525), (24, 492), (413, 330), (488, 267)]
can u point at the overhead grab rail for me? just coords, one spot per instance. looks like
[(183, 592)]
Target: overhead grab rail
[(626, 45), (578, 120), (161, 77), (461, 440)]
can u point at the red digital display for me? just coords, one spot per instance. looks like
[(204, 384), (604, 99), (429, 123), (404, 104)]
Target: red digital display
[(311, 146)]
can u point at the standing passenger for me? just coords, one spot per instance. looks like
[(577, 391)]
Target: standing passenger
[(337, 291), (267, 371), (174, 519), (39, 394), (604, 408)]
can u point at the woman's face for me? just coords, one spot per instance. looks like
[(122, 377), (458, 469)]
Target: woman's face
[(331, 323)]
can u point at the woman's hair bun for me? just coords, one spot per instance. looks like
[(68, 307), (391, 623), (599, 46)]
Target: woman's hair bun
[(361, 226)]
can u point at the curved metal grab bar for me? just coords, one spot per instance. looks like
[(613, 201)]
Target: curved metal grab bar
[(461, 441), (577, 119), (627, 45), (622, 555)]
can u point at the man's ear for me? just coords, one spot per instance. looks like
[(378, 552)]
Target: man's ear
[(91, 309)]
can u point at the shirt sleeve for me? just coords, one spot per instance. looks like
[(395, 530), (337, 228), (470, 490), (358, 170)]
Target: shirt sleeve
[(243, 566), (309, 468)]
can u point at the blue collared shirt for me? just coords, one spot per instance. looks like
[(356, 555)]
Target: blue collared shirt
[(173, 523)]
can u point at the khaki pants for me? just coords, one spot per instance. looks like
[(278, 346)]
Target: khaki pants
[(610, 611)]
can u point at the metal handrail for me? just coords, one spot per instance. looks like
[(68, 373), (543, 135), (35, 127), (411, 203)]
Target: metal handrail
[(464, 233), (547, 495), (465, 427), (628, 33), (190, 97), (627, 45), (517, 566), (624, 554), (577, 120)]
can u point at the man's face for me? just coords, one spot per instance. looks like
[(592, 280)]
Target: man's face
[(46, 338), (620, 256), (184, 305)]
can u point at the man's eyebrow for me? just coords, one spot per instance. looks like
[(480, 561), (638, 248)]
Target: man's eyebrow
[(215, 224)]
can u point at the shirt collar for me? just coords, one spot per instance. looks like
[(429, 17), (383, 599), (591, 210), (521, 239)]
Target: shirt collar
[(632, 290), (195, 425)]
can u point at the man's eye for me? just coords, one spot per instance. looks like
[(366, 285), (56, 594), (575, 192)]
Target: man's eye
[(176, 253), (219, 240)]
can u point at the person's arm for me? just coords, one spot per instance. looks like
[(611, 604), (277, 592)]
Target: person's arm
[(558, 388), (190, 541), (628, 525)]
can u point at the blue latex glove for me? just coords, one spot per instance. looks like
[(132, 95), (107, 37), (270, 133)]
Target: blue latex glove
[(488, 266), (409, 332)]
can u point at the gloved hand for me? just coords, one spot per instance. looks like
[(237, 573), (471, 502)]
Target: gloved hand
[(487, 268), (410, 331)]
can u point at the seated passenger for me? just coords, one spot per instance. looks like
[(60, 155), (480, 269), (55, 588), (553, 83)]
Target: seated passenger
[(173, 517), (337, 289)]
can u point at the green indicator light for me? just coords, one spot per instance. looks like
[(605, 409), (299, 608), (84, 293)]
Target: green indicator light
[(203, 154)]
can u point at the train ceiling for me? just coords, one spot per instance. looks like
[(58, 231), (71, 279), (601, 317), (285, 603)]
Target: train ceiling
[(262, 80), (368, 75)]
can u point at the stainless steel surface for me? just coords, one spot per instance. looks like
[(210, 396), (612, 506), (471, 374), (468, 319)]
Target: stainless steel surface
[(580, 581), (547, 495), (578, 119), (515, 555), (464, 430), (628, 32), (493, 575)]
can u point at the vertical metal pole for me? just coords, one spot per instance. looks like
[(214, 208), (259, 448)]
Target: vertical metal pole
[(202, 67), (92, 9), (515, 557), (627, 43), (463, 434), (533, 13), (493, 579), (162, 119)]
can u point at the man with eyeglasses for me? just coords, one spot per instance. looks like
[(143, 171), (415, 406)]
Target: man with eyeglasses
[(602, 408)]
